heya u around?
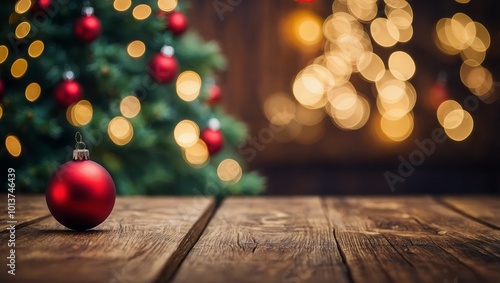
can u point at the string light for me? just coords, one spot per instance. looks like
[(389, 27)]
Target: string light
[(36, 48), (461, 127), (397, 130), (197, 155), (82, 113), (136, 48), (188, 85), (130, 106), (1, 111), (186, 133), (229, 171), (22, 30), (401, 65), (141, 12), (19, 68), (32, 91), (4, 53), (13, 145), (167, 5), (120, 131), (122, 5), (302, 28), (22, 6)]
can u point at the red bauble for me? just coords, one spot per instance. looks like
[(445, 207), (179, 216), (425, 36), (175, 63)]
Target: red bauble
[(2, 90), (176, 23), (213, 139), (81, 194), (437, 94), (68, 92), (163, 67), (41, 5), (87, 28), (214, 95)]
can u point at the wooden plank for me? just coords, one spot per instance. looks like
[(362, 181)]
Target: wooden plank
[(28, 209), (143, 239), (265, 239), (484, 209), (412, 239)]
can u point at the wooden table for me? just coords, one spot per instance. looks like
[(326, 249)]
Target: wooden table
[(262, 239)]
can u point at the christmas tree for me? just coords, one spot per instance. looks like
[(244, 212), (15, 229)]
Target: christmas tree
[(133, 79)]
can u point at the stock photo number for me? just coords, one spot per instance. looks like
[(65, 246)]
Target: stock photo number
[(11, 220)]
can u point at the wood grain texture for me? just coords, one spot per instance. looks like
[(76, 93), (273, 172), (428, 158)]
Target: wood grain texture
[(143, 240), (265, 240), (412, 239), (29, 209), (485, 209)]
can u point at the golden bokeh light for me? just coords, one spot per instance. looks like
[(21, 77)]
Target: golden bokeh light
[(349, 112), (197, 155), (279, 108), (401, 65), (384, 32), (394, 107), (22, 6), (120, 131), (22, 30), (122, 5), (396, 4), (4, 53), (36, 48), (13, 145), (453, 119), (309, 117), (311, 134), (401, 18), (397, 130), (462, 125), (302, 28), (141, 12), (188, 85), (136, 48), (473, 55), (130, 106), (445, 108), (311, 84), (81, 113), (19, 68), (363, 10), (33, 91), (229, 171), (186, 133), (1, 111), (482, 40), (338, 65), (462, 1), (167, 5), (477, 78), (370, 66), (405, 34)]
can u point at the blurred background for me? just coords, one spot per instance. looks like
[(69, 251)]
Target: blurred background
[(288, 58)]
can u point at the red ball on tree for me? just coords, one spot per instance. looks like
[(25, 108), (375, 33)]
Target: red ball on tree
[(163, 67), (41, 5), (438, 92), (214, 95), (176, 23), (67, 91), (80, 194), (212, 136), (87, 28)]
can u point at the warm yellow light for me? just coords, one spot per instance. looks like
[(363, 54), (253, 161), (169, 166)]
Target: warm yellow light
[(453, 119), (384, 32), (229, 171), (400, 18), (302, 28), (311, 84), (32, 91), (122, 5), (1, 111), (23, 29), (186, 133), (401, 65), (4, 53), (141, 12), (19, 68), (397, 130), (69, 115), (120, 131), (370, 66), (349, 111), (445, 108), (309, 32), (13, 145), (396, 4), (461, 131), (36, 48), (22, 6), (130, 106), (463, 1), (339, 67), (167, 5), (444, 37), (309, 117), (188, 85), (196, 155), (405, 34), (482, 40), (470, 53), (279, 109), (136, 48), (364, 10), (81, 113)]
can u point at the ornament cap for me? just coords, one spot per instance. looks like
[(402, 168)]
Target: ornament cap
[(68, 75), (214, 124), (87, 11), (167, 50), (81, 154)]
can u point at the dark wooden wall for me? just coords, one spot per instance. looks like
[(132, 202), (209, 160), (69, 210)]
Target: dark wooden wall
[(261, 63)]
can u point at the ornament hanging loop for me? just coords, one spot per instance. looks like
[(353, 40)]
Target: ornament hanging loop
[(80, 152)]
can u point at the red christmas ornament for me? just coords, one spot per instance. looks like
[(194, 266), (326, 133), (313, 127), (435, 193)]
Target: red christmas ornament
[(41, 5), (176, 23), (214, 95), (212, 136), (81, 193), (438, 92), (68, 91), (2, 90), (163, 67), (87, 28)]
